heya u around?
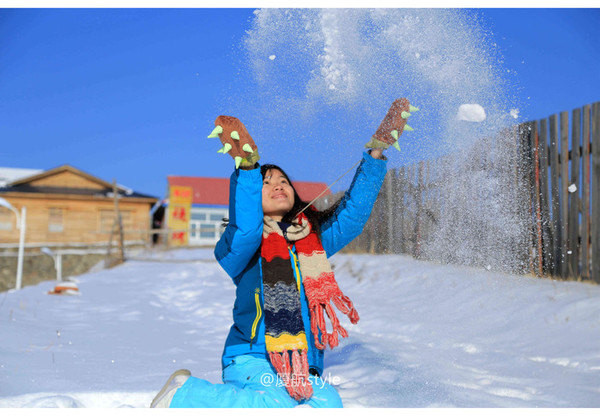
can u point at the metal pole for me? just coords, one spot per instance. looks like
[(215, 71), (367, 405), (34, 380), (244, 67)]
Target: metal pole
[(59, 267), (21, 247)]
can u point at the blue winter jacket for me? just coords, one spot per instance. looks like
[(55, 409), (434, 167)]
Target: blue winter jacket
[(238, 252)]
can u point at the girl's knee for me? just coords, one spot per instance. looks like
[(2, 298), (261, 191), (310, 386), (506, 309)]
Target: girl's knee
[(324, 395)]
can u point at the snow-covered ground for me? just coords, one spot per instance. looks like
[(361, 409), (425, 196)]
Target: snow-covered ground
[(429, 336)]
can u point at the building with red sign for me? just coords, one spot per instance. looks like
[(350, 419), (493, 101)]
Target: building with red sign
[(210, 202)]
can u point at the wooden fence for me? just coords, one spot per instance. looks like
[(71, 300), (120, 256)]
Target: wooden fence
[(550, 184), (404, 214), (561, 166)]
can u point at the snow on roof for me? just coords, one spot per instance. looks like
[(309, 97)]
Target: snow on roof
[(8, 175)]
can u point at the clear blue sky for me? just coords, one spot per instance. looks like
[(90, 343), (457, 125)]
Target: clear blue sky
[(132, 94)]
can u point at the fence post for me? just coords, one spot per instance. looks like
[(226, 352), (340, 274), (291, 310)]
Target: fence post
[(533, 135), (564, 192), (521, 195), (410, 220), (573, 194), (556, 216), (546, 221), (585, 195), (401, 208), (419, 211), (428, 226), (389, 195), (528, 168), (119, 222), (596, 192)]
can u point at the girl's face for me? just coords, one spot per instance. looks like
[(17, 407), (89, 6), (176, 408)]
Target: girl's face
[(277, 195)]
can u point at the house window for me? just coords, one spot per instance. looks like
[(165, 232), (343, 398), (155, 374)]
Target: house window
[(198, 216), (6, 219), (207, 230), (206, 225), (55, 220), (217, 217)]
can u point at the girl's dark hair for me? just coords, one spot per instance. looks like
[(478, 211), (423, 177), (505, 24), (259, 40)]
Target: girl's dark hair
[(315, 217)]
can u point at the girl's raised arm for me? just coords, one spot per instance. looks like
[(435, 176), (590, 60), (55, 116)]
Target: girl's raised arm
[(243, 234)]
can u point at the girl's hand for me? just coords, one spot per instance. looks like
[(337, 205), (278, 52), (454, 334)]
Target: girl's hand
[(392, 125)]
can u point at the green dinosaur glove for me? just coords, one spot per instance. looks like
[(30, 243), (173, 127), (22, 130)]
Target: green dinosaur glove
[(236, 141), (392, 125)]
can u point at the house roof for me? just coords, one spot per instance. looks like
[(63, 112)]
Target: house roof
[(206, 190), (215, 191), (96, 186), (63, 168), (309, 190)]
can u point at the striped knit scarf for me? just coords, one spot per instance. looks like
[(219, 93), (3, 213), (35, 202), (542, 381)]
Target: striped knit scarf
[(284, 328)]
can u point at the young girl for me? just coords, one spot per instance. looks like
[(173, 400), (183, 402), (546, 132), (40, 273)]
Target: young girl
[(275, 249)]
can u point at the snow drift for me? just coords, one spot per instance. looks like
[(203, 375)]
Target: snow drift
[(429, 336)]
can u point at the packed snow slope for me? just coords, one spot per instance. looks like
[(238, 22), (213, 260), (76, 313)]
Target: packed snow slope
[(429, 336)]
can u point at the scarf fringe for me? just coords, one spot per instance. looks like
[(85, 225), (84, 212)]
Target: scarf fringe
[(321, 294), (295, 374)]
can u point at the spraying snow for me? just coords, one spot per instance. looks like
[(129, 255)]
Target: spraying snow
[(357, 61), (338, 71)]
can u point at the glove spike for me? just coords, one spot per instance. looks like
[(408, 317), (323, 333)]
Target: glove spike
[(225, 149), (247, 148), (238, 160), (412, 108), (405, 114), (408, 128), (397, 146), (215, 133), (235, 135), (394, 134)]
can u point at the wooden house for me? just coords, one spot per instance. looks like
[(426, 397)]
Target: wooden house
[(68, 206)]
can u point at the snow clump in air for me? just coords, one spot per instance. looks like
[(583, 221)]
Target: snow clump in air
[(471, 112)]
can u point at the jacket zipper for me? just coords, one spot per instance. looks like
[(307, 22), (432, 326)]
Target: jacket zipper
[(258, 314), (298, 279)]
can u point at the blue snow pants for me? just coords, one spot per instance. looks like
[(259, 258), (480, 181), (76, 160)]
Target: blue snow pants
[(250, 382)]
